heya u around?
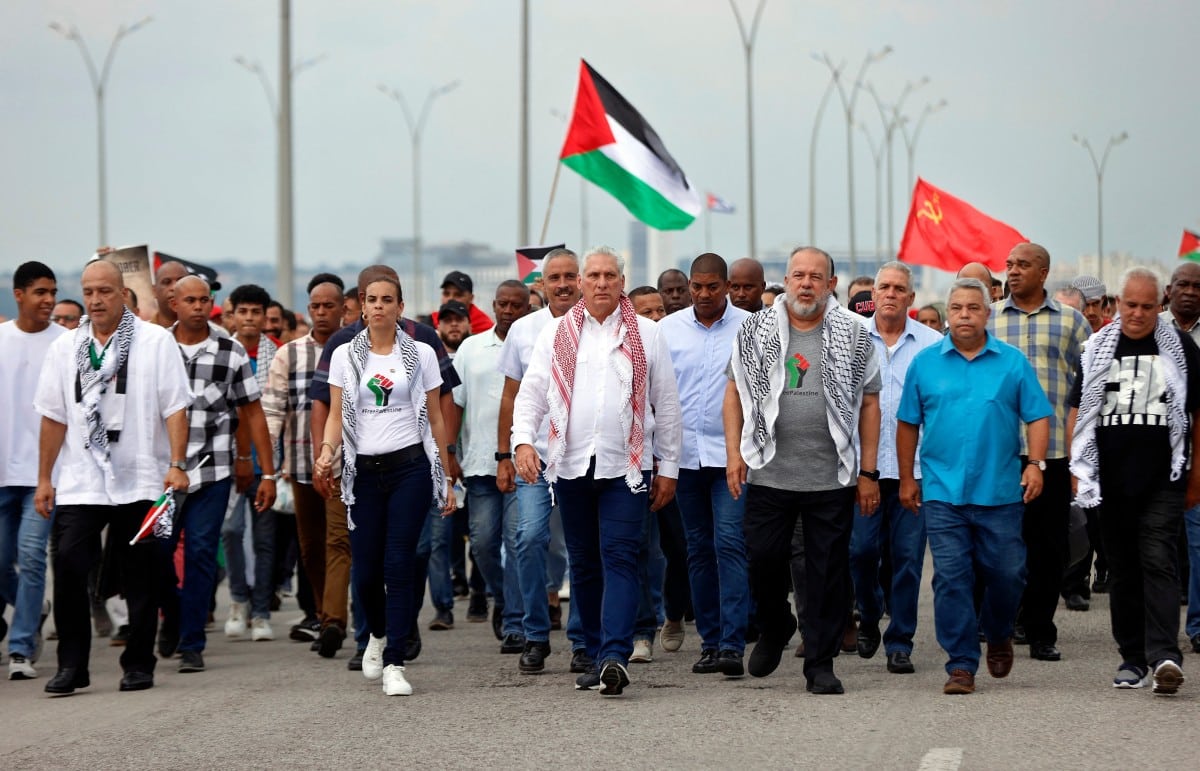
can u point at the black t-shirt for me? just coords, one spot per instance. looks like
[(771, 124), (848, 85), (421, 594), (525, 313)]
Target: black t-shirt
[(1132, 435)]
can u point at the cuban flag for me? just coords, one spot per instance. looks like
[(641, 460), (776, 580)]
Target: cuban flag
[(717, 204)]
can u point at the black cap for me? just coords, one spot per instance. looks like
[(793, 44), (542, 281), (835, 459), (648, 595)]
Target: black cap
[(863, 303), (460, 280), (454, 308)]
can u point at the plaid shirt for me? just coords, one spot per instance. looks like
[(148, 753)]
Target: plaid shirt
[(288, 408), (221, 377), (1052, 338)]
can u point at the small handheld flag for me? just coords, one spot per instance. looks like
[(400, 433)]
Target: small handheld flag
[(529, 261), (159, 519)]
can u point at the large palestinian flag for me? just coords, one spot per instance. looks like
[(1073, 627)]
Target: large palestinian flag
[(611, 144)]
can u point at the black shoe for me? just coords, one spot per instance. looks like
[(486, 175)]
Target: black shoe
[(461, 587), (581, 662), (1044, 652), (513, 643), (588, 681), (555, 617), (613, 678), (1077, 602), (533, 660), (1019, 636), (498, 621), (168, 638), (1100, 584), (729, 663), (355, 662), (868, 640), (442, 621), (191, 661), (330, 641), (307, 630), (66, 680), (1195, 640), (824, 684), (120, 637), (412, 646), (707, 665), (899, 663), (136, 681), (276, 602), (764, 659), (477, 611)]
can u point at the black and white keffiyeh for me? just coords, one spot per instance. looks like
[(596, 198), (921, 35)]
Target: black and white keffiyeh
[(93, 383), (1097, 360), (758, 373), (360, 348)]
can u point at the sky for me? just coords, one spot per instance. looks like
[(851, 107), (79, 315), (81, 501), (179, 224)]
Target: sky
[(191, 144)]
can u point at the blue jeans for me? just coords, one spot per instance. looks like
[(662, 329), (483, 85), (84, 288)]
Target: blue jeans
[(602, 522), (201, 516), (717, 568), (906, 540), (533, 543), (962, 540), (652, 569), (262, 530), (493, 520), (441, 587), (23, 537), (1191, 521)]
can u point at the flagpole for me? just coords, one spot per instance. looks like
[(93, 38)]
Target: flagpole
[(550, 205), (707, 228)]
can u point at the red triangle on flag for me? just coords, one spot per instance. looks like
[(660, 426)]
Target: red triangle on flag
[(1190, 246), (525, 266), (589, 124)]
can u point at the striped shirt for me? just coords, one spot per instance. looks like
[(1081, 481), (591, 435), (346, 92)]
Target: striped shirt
[(288, 408), (1051, 337)]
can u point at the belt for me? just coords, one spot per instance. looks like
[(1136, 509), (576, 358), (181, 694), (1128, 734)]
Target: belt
[(391, 460)]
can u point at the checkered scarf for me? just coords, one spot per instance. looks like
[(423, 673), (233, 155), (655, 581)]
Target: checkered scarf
[(93, 383), (360, 348), (631, 369), (1097, 359)]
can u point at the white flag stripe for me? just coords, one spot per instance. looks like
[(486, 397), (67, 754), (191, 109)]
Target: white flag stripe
[(633, 156)]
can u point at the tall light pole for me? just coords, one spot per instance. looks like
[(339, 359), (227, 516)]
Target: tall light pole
[(890, 122), (848, 102), (414, 132), (583, 187), (910, 140), (748, 47), (99, 80), (877, 151), (284, 255), (1099, 165), (812, 154), (523, 131)]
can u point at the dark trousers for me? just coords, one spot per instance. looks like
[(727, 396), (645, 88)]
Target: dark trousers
[(1044, 530), (673, 541), (198, 520), (1140, 539), (770, 522), (310, 535), (74, 549), (1078, 579)]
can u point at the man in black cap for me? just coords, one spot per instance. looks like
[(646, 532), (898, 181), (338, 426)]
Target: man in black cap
[(458, 286), (453, 325)]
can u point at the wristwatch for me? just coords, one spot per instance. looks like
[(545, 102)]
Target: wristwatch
[(452, 449), (179, 464), (269, 477), (1041, 464), (872, 475), (504, 456)]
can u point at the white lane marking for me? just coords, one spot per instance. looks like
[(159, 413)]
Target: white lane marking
[(941, 759)]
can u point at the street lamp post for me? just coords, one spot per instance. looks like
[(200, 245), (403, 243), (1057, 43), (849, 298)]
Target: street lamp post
[(848, 102), (1099, 165), (910, 140), (877, 151), (99, 80), (890, 122), (812, 156), (748, 47), (415, 128)]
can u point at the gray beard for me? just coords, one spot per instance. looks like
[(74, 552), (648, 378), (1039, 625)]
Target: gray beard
[(806, 311)]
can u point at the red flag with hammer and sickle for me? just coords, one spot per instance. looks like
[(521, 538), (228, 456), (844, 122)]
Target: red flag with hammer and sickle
[(947, 233)]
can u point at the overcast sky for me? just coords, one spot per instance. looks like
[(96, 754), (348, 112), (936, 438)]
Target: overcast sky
[(191, 143)]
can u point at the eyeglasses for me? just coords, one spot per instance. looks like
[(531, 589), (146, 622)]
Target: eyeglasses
[(58, 319)]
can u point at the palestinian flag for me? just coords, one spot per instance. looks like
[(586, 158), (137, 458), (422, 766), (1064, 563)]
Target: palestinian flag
[(159, 519), (529, 261), (195, 268), (611, 145), (1189, 248), (718, 205)]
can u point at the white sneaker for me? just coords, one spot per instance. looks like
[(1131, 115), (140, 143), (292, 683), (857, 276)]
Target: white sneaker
[(1167, 677), (642, 652), (372, 661), (260, 629), (235, 625), (19, 668), (394, 683)]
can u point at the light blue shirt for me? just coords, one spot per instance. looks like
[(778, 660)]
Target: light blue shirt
[(893, 365), (972, 412), (700, 355)]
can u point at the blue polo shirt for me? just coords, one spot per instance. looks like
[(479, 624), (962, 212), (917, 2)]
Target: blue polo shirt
[(972, 411)]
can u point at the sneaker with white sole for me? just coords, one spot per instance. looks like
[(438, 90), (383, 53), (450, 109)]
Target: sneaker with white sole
[(394, 683), (235, 625), (643, 652), (1131, 676), (20, 668), (260, 629), (672, 636), (372, 660), (613, 678), (1167, 677)]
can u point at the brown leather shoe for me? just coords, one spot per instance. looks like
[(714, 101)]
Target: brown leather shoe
[(961, 682), (850, 638), (1000, 658)]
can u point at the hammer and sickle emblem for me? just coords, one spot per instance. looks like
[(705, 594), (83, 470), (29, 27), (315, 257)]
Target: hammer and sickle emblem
[(932, 210)]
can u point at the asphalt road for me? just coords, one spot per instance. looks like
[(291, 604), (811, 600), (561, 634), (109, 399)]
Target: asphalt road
[(276, 705)]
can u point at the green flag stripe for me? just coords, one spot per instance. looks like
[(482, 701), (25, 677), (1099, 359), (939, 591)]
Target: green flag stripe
[(642, 201)]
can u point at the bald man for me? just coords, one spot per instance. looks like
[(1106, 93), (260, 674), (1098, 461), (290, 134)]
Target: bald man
[(976, 270), (164, 289), (747, 284)]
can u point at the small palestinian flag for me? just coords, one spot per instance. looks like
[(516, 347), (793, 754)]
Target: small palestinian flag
[(1189, 248), (529, 261), (159, 519), (718, 205), (611, 145)]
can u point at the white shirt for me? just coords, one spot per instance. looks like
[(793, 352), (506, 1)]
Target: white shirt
[(387, 419), (477, 365), (514, 361), (594, 424), (22, 354), (156, 388)]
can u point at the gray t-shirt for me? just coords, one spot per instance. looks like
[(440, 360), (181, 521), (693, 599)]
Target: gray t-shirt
[(806, 458)]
